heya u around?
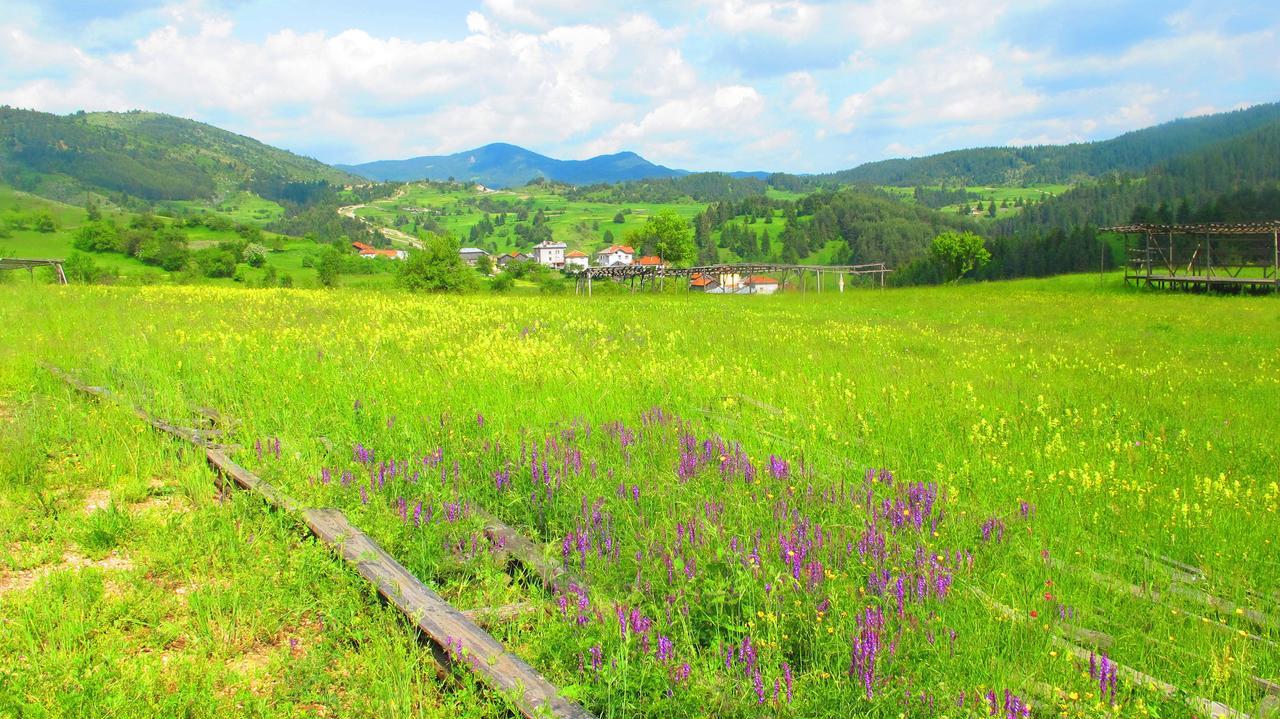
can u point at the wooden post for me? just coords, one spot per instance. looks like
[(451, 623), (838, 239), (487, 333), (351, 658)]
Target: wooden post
[(62, 276), (841, 283), (588, 284), (1275, 266)]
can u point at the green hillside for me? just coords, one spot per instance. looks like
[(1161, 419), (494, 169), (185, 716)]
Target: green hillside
[(1231, 180), (148, 156), (1131, 152)]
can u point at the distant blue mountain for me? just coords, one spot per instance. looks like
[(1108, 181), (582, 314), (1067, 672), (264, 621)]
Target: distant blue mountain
[(504, 165)]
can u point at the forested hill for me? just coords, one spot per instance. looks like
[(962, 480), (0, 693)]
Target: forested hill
[(146, 155), (1231, 180), (1133, 152), (504, 165)]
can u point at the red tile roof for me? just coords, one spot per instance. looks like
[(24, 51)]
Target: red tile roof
[(361, 246), (616, 248), (650, 260), (700, 281), (761, 280), (575, 253)]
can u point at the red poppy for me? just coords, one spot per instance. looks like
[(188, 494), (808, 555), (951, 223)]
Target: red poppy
[(1034, 614)]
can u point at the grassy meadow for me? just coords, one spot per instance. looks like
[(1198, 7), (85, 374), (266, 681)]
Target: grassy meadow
[(579, 223), (881, 503), (292, 257)]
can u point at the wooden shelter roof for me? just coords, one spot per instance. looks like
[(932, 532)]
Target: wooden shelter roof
[(1267, 227)]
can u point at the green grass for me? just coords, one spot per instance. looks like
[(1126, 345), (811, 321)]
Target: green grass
[(243, 207), (580, 224), (998, 193), (1097, 425), (128, 587), (29, 243)]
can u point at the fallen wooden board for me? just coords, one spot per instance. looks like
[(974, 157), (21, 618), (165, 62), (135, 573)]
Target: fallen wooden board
[(454, 636), (1260, 619), (1216, 710), (250, 481), (446, 626), (528, 553), (194, 436)]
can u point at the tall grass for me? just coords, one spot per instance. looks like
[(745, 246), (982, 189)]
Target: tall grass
[(1035, 449)]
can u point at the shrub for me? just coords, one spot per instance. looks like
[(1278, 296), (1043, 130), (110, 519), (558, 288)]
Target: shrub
[(504, 282), (215, 262), (437, 268), (80, 267)]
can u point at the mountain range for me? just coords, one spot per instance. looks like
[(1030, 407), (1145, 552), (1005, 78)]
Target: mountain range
[(503, 165), (155, 157)]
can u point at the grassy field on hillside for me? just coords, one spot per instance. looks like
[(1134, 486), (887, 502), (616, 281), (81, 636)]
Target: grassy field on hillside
[(997, 193), (898, 503), (580, 224), (289, 259)]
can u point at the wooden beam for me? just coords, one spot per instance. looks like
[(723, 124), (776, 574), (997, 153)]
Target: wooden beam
[(250, 481), (457, 639), (550, 573), (463, 641)]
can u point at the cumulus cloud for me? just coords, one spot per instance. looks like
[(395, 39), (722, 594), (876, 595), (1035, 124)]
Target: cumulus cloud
[(800, 85)]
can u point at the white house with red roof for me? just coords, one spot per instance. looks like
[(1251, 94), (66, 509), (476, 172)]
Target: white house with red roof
[(368, 252), (615, 255), (761, 285), (576, 259)]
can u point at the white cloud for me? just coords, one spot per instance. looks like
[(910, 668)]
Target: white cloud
[(789, 18), (882, 23), (578, 77), (807, 98), (940, 88)]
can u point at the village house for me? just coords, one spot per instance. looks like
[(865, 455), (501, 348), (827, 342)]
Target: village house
[(703, 283), (472, 255), (761, 285), (615, 255), (576, 259), (368, 252), (651, 261), (550, 253), (512, 256)]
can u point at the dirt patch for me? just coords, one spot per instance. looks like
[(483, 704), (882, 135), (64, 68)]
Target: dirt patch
[(252, 661), (163, 504), (95, 500), (18, 581)]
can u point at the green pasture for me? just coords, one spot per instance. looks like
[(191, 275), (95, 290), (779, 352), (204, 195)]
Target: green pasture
[(1054, 463)]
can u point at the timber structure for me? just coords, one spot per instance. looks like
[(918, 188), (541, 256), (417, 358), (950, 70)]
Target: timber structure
[(13, 263), (456, 640), (1219, 257), (635, 273)]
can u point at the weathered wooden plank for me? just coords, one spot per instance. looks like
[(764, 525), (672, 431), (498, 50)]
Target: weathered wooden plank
[(1224, 606), (1133, 676), (194, 436), (1212, 708), (446, 626), (250, 481), (551, 574)]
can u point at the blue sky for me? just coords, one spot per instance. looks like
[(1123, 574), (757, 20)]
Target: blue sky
[(794, 85)]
